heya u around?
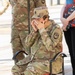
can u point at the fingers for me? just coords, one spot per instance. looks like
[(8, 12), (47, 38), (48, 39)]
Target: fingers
[(63, 28), (34, 23), (37, 25)]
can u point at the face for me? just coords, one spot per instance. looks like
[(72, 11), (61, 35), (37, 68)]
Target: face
[(47, 19), (43, 21)]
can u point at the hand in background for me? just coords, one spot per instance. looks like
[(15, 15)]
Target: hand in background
[(65, 23)]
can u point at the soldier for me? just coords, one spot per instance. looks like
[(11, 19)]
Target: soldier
[(45, 41), (5, 6), (20, 23)]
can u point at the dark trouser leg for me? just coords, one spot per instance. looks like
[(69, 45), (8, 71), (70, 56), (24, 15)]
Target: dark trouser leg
[(73, 49), (70, 40)]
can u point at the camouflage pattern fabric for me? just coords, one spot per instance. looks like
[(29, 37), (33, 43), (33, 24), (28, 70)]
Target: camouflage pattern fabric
[(46, 43), (20, 12), (20, 23), (40, 12)]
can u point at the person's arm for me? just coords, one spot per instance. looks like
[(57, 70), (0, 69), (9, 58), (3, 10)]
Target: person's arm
[(72, 16), (4, 8), (30, 39), (62, 12), (63, 20), (50, 42)]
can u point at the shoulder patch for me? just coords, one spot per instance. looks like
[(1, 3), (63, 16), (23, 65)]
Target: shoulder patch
[(56, 35)]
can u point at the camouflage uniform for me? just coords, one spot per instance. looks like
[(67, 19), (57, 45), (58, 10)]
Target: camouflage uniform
[(20, 22), (44, 43)]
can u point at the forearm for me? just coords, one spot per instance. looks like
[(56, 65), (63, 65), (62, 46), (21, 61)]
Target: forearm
[(72, 16), (30, 39), (46, 39)]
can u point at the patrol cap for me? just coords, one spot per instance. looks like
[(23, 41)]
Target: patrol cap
[(40, 12)]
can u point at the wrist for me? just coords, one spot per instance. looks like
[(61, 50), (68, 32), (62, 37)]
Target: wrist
[(67, 19), (42, 30)]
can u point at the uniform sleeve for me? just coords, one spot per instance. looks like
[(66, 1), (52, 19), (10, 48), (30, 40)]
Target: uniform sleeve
[(51, 41), (30, 39)]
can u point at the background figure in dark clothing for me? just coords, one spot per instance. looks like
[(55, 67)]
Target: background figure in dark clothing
[(69, 33)]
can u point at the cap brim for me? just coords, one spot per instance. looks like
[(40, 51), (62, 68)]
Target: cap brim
[(35, 16)]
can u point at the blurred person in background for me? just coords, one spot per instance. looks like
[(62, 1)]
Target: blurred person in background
[(68, 20), (5, 5)]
